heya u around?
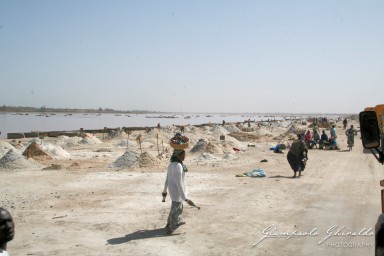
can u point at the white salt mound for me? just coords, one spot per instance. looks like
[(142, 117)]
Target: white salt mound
[(128, 159), (230, 143), (5, 147), (135, 159), (189, 128), (230, 157), (200, 146), (65, 141), (231, 128), (219, 130), (147, 160), (90, 140), (123, 143), (292, 129), (15, 160), (207, 157), (54, 150), (117, 134), (264, 132)]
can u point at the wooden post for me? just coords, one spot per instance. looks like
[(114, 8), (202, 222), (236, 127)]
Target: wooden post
[(129, 132), (382, 201), (139, 140), (158, 151)]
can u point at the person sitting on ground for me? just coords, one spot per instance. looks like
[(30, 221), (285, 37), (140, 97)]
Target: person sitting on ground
[(308, 139), (315, 140), (297, 155), (7, 230), (323, 139)]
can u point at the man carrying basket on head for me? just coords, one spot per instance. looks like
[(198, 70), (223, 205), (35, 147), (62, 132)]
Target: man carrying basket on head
[(175, 183)]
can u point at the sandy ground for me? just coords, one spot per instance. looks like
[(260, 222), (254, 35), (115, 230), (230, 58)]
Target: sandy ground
[(88, 209)]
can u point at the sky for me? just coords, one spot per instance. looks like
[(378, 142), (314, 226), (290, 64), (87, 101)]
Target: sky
[(256, 56)]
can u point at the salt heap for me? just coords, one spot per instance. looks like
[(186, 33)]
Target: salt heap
[(128, 159), (90, 140), (189, 128), (118, 133), (15, 160), (229, 156), (5, 147), (135, 159), (65, 141), (200, 146), (230, 143), (292, 129), (219, 130), (123, 143), (147, 160), (207, 157), (231, 128), (35, 151), (54, 150), (262, 132), (204, 145)]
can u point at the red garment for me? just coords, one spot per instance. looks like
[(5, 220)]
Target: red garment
[(307, 137)]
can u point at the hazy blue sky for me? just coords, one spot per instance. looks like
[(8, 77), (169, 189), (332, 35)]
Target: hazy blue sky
[(320, 56)]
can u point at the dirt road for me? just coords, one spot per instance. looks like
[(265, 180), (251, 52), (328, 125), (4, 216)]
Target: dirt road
[(331, 210)]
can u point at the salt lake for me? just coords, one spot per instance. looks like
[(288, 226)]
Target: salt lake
[(31, 122)]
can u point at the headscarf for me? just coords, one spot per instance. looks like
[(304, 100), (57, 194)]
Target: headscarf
[(174, 158)]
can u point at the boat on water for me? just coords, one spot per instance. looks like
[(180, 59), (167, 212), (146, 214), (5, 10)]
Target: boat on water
[(173, 116)]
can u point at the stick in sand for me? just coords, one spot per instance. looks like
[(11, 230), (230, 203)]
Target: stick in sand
[(191, 203), (158, 151)]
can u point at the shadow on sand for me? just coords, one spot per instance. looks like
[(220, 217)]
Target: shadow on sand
[(280, 176), (137, 235)]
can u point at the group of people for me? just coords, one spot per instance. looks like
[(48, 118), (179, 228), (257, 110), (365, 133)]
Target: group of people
[(314, 139), (298, 152)]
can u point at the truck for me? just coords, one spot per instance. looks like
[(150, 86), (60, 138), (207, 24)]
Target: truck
[(379, 110), (372, 137)]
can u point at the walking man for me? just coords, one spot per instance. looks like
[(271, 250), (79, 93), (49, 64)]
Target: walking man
[(175, 183)]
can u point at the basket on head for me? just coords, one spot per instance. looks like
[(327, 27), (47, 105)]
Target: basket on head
[(179, 146), (179, 142)]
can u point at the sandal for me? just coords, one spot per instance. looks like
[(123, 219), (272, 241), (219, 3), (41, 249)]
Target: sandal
[(168, 230)]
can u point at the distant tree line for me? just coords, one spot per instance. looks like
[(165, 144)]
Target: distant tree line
[(45, 109)]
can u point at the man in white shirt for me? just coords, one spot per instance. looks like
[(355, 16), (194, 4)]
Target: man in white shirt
[(7, 230), (175, 183)]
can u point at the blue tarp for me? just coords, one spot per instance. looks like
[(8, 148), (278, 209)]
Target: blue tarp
[(255, 173)]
